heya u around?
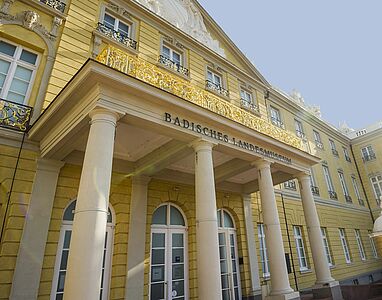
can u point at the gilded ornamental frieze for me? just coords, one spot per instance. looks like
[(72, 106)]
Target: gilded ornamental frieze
[(153, 75)]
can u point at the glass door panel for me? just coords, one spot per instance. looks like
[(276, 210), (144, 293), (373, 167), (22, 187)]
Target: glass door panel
[(177, 253), (158, 266)]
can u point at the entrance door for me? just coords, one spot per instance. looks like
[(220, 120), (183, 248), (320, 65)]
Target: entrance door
[(229, 266), (168, 274)]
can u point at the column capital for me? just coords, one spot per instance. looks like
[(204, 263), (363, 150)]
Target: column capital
[(303, 176), (100, 113), (202, 144), (246, 197), (262, 164), (140, 180), (49, 165)]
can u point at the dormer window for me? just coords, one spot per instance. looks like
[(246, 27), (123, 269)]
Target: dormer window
[(214, 83)]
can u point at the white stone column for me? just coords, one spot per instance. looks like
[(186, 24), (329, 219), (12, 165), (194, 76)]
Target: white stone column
[(251, 244), (324, 278), (26, 278), (137, 239), (207, 245), (280, 287), (83, 277)]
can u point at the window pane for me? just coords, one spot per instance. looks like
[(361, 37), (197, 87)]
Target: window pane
[(160, 216), (28, 57), (178, 288), (176, 57), (69, 212), (158, 240), (4, 66), (177, 240), (177, 256), (7, 49), (209, 76), (157, 291), (68, 235), (19, 87), (15, 97), (23, 73), (178, 272), (123, 28), (166, 52), (109, 21), (157, 273), (228, 223), (176, 217), (157, 257)]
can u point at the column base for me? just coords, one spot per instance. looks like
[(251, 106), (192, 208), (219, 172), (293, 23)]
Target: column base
[(289, 296), (327, 290)]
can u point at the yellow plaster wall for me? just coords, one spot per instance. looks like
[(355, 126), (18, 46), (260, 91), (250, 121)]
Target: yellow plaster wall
[(17, 208)]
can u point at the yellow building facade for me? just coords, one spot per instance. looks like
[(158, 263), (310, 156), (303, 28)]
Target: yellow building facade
[(142, 117)]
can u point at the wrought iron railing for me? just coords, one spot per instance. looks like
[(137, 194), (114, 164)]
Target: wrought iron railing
[(278, 123), (216, 88), (249, 106), (369, 157), (335, 152), (290, 185), (333, 195), (348, 158), (348, 199), (315, 190), (55, 4), (173, 65), (319, 145), (361, 202), (14, 116), (117, 36), (300, 134)]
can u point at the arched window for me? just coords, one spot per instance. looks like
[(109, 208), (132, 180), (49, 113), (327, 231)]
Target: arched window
[(168, 259), (63, 254), (229, 264)]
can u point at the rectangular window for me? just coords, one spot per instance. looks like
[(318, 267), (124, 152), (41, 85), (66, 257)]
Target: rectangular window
[(333, 147), (376, 182), (326, 246), (299, 129), (356, 190), (214, 78), (344, 186), (276, 117), (297, 230), (317, 139), (368, 153), (345, 246), (359, 244), (263, 250), (372, 244), (346, 154), (115, 24), (214, 83), (247, 100), (17, 71), (329, 183), (173, 59)]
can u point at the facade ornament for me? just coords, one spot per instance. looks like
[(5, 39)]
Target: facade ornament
[(185, 15), (296, 97), (31, 19), (56, 23), (96, 46), (5, 7), (113, 7)]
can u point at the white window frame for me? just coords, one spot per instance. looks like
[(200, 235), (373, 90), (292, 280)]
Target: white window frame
[(275, 116), (215, 75), (264, 260), (299, 128), (372, 244), (300, 248), (366, 152), (326, 246), (68, 225), (345, 245), (317, 139), (346, 154), (117, 21), (245, 92), (328, 179), (14, 62), (345, 189), (361, 250), (332, 145), (356, 189), (172, 51), (377, 185)]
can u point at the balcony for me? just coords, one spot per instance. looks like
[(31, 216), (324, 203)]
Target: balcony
[(315, 190), (168, 63), (55, 4), (319, 145), (335, 152), (347, 158), (369, 157), (348, 199), (277, 123), (361, 202), (333, 195), (117, 36), (300, 134), (217, 88), (290, 185), (14, 116), (249, 106)]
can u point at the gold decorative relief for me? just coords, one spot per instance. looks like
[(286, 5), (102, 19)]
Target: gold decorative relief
[(151, 74)]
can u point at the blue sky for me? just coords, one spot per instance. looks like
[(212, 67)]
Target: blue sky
[(329, 50)]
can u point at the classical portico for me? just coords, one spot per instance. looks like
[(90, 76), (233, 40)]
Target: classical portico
[(113, 122)]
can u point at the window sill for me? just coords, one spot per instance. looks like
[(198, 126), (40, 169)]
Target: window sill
[(305, 271), (45, 8), (332, 267), (162, 66), (115, 43)]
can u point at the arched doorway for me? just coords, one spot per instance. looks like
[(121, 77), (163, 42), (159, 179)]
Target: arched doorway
[(63, 254), (229, 261), (169, 261)]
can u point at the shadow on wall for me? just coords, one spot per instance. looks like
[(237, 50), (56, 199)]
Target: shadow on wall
[(362, 291)]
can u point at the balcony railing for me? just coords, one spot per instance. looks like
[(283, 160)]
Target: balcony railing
[(117, 36), (361, 202), (319, 145), (216, 88), (249, 106), (300, 134), (333, 195), (290, 185), (348, 199), (315, 190), (55, 4), (335, 152), (14, 116), (278, 123), (369, 157), (173, 65), (348, 158)]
